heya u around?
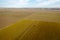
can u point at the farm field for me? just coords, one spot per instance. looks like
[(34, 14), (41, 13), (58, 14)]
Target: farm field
[(9, 16), (29, 24)]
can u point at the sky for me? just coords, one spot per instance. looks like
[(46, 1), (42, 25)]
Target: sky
[(30, 3)]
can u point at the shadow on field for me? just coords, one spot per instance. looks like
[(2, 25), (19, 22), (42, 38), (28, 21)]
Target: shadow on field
[(42, 31), (31, 30)]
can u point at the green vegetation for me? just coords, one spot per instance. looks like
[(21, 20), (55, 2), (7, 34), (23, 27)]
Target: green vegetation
[(31, 30)]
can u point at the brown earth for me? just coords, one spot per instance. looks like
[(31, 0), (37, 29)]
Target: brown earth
[(10, 16)]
